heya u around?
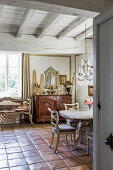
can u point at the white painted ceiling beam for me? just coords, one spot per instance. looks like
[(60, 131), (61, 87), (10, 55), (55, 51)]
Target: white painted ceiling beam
[(26, 19), (72, 26), (54, 18), (47, 45), (89, 32), (67, 7)]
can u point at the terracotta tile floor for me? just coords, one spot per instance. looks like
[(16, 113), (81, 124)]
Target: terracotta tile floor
[(26, 147)]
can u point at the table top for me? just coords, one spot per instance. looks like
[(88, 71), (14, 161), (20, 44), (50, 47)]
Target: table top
[(77, 114)]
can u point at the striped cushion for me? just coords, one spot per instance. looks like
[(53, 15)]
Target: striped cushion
[(64, 128), (9, 103)]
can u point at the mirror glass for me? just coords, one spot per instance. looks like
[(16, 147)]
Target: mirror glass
[(50, 78)]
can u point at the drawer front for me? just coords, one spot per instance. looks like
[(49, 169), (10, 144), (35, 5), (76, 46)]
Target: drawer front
[(45, 97), (61, 100), (62, 97), (42, 103)]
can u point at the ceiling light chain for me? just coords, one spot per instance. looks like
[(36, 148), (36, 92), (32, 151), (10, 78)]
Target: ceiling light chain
[(85, 75)]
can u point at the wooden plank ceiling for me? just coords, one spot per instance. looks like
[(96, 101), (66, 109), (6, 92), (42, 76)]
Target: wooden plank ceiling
[(21, 21)]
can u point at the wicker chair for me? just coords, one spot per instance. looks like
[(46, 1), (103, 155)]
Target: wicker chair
[(9, 111), (60, 129)]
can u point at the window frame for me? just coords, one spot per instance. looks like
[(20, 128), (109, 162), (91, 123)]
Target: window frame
[(7, 67)]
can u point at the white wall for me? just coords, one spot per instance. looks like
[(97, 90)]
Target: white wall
[(61, 64), (42, 63), (82, 91)]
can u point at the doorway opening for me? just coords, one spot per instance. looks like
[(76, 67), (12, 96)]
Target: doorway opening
[(57, 44)]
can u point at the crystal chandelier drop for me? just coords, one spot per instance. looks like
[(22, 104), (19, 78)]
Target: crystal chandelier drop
[(85, 75)]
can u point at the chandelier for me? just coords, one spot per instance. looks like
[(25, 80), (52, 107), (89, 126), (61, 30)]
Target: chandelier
[(85, 75)]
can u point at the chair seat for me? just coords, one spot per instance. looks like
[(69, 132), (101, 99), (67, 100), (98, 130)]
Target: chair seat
[(64, 128), (71, 121), (89, 133)]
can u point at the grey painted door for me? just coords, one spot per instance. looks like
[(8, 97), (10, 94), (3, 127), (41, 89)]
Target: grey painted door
[(103, 90)]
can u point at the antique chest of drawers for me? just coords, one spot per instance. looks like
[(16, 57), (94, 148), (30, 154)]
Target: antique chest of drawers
[(41, 103)]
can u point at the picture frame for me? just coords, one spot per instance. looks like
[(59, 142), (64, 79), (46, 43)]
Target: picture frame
[(90, 90), (63, 79)]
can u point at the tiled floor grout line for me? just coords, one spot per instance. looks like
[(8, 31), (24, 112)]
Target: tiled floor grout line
[(45, 160), (28, 145), (28, 132), (6, 152), (42, 155), (39, 151), (70, 151), (17, 152), (21, 148), (58, 154), (85, 163), (76, 154)]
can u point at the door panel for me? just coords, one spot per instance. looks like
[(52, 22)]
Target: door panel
[(105, 92), (104, 75), (43, 108)]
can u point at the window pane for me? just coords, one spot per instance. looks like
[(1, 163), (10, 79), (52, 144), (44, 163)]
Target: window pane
[(2, 81), (14, 75), (13, 60), (13, 81), (2, 60), (10, 75)]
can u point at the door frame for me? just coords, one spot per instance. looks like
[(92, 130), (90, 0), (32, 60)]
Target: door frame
[(97, 21)]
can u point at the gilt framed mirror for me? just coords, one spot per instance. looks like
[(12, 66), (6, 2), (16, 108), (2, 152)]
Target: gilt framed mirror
[(50, 78)]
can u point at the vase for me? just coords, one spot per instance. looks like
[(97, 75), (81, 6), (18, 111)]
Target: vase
[(89, 106), (42, 84)]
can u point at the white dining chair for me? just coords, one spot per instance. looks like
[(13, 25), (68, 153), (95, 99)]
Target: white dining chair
[(60, 129), (89, 135), (74, 106)]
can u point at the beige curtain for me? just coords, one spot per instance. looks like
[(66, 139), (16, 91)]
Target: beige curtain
[(26, 77)]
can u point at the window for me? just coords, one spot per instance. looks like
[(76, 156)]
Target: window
[(10, 74)]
